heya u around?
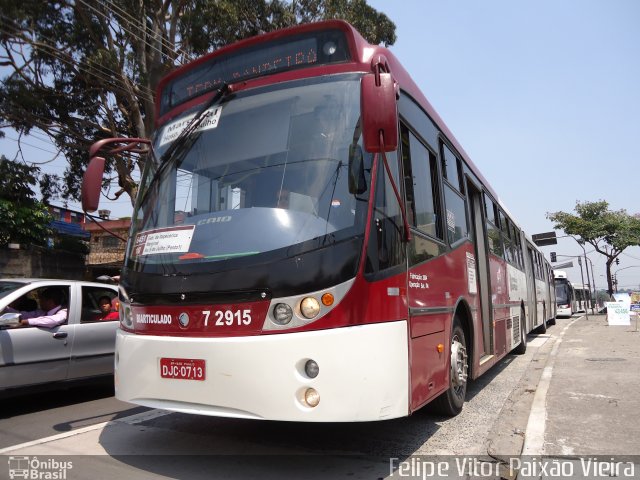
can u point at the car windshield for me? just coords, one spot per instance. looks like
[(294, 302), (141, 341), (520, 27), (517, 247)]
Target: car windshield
[(266, 169), (6, 287)]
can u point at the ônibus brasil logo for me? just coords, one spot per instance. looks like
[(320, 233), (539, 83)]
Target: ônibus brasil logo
[(38, 469)]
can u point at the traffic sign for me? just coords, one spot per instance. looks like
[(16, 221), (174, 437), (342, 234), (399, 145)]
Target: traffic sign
[(542, 239)]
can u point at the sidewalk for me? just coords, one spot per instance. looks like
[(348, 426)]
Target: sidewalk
[(593, 402)]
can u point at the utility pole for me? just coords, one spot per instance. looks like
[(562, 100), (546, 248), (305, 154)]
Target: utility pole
[(584, 252), (586, 307), (593, 280)]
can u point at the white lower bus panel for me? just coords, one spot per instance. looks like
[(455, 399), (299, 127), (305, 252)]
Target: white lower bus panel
[(363, 374)]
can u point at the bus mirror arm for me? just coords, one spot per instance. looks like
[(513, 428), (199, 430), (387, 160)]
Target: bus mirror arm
[(407, 230), (357, 180)]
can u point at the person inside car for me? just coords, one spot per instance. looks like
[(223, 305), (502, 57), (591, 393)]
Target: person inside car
[(106, 310), (50, 314)]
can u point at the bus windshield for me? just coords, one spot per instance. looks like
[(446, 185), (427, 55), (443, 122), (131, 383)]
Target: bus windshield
[(562, 294), (266, 169)]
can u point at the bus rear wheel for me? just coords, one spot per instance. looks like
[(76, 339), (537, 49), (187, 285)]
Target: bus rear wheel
[(450, 402), (543, 328)]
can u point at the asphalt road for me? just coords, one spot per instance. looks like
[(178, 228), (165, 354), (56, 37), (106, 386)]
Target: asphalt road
[(138, 443), (32, 416)]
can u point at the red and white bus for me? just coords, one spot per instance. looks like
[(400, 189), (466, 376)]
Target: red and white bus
[(311, 243)]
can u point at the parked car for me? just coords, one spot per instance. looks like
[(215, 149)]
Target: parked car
[(81, 348)]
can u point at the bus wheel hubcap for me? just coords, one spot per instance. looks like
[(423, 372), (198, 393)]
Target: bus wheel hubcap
[(458, 363)]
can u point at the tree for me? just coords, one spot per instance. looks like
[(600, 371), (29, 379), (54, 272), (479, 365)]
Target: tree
[(609, 232), (23, 219), (82, 70)]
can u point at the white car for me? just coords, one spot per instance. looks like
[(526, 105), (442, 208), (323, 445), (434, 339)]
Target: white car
[(79, 349)]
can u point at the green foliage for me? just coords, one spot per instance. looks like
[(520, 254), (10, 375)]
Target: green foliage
[(17, 181), (23, 219), (71, 244), (24, 224), (610, 232), (82, 70)]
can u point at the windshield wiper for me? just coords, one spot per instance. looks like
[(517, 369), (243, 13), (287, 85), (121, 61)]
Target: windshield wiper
[(185, 139)]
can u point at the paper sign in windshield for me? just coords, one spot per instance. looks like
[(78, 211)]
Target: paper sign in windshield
[(163, 240), (174, 129)]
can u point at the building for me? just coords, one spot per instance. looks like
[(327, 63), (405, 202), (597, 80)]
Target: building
[(106, 252), (68, 222), (64, 257)]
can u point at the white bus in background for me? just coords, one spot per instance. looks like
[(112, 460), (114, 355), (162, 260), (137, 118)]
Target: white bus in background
[(582, 297), (565, 295)]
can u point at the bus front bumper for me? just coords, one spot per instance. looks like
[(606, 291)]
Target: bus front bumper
[(363, 374)]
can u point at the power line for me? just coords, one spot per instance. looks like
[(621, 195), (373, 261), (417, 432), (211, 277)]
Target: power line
[(104, 15), (127, 17), (91, 70), (29, 144), (630, 256)]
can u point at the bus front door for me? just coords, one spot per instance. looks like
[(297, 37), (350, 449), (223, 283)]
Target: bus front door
[(484, 286)]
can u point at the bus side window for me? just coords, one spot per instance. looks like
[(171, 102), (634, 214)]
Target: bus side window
[(451, 168), (517, 247), (505, 227), (420, 174), (493, 234)]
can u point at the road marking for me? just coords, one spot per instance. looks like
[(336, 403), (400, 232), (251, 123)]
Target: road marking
[(130, 420), (534, 434)]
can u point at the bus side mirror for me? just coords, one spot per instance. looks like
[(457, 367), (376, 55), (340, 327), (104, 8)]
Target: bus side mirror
[(357, 181), (92, 179), (379, 112), (92, 184)]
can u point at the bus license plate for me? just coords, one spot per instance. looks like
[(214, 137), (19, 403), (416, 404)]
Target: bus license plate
[(182, 368)]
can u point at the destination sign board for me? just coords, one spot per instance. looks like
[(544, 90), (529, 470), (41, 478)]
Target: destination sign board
[(278, 55)]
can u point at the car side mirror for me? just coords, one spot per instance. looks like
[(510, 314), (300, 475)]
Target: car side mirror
[(10, 319), (357, 180)]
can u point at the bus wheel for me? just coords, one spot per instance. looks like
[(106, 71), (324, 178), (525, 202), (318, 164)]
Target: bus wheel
[(543, 328), (522, 348), (450, 402)]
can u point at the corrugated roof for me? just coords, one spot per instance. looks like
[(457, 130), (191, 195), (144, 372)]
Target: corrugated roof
[(66, 228)]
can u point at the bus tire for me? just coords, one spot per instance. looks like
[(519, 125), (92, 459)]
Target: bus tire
[(450, 402), (543, 328), (521, 349)]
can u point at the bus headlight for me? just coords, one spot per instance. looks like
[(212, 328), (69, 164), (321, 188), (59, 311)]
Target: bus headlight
[(309, 307), (282, 313)]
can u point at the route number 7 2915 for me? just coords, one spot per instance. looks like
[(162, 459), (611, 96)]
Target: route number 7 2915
[(228, 317)]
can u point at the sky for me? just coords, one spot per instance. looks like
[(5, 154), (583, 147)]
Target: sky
[(544, 96)]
